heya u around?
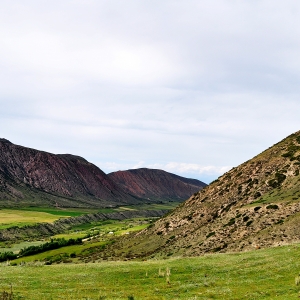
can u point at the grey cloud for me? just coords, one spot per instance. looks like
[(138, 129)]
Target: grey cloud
[(192, 83)]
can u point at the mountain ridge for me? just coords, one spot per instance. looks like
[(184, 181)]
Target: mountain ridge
[(30, 177)]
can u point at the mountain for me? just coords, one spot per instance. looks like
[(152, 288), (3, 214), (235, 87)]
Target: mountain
[(252, 206), (155, 185), (30, 177)]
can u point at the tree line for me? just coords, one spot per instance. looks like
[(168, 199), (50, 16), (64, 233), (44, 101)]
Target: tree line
[(31, 250)]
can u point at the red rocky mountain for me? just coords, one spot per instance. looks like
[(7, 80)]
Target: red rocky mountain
[(38, 178), (29, 176), (154, 185)]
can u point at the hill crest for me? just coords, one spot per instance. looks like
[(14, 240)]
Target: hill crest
[(154, 184)]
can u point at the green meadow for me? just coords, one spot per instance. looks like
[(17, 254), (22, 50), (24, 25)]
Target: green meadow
[(32, 215), (260, 274), (13, 217)]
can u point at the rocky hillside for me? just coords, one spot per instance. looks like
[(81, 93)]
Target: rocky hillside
[(156, 185), (254, 205), (36, 177)]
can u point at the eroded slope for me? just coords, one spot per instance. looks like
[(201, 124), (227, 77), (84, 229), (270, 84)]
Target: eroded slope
[(254, 205)]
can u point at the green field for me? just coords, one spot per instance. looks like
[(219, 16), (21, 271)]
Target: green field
[(17, 246), (13, 217), (94, 234), (260, 274), (32, 215), (70, 212)]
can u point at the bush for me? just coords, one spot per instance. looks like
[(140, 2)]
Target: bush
[(249, 223), (272, 206), (257, 195), (210, 234), (7, 256), (231, 222), (246, 218), (53, 244)]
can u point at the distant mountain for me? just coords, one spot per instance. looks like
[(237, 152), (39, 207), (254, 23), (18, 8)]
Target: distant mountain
[(252, 206), (29, 176), (38, 178), (156, 185)]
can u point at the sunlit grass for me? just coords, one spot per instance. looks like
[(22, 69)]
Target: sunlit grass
[(11, 217), (262, 274)]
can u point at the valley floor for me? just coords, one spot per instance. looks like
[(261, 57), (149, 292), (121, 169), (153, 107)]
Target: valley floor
[(261, 274)]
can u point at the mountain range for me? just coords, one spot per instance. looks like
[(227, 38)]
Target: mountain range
[(252, 206), (30, 177)]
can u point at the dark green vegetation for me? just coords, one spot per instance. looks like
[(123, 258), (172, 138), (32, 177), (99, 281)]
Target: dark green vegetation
[(261, 274), (44, 247)]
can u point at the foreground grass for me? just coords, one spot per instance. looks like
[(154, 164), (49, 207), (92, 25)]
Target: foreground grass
[(261, 274)]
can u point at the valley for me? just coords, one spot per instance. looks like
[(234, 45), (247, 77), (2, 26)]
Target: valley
[(237, 238)]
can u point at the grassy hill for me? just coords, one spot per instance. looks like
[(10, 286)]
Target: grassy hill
[(254, 205)]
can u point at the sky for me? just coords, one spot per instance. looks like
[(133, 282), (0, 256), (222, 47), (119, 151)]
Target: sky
[(191, 87)]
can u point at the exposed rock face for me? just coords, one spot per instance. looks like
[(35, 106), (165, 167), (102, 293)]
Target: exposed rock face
[(155, 184), (66, 180), (254, 205)]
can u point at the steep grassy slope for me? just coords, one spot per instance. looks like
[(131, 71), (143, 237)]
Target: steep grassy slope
[(153, 184), (254, 205)]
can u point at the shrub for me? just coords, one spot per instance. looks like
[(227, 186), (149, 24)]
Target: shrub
[(53, 244), (246, 218), (272, 206), (249, 223), (210, 234), (231, 222), (7, 256), (257, 195)]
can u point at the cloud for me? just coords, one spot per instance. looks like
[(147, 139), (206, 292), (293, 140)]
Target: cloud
[(201, 84)]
